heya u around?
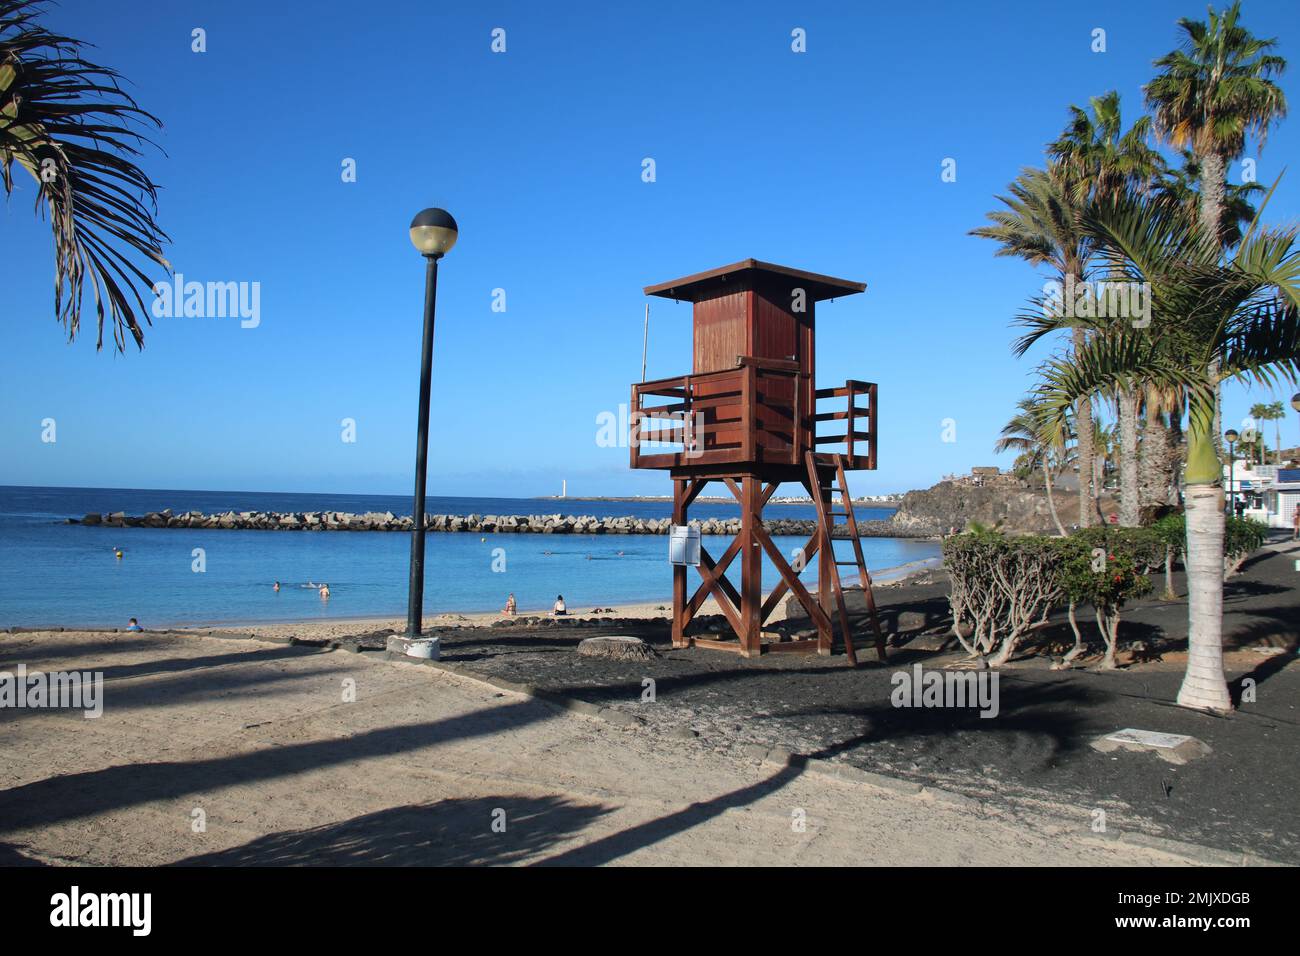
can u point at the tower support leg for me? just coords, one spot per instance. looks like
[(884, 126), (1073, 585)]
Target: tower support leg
[(681, 614), (751, 568)]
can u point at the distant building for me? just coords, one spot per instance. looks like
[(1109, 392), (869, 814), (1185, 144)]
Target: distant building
[(1267, 493)]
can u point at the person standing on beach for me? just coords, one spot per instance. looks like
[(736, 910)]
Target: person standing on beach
[(1295, 523), (510, 609)]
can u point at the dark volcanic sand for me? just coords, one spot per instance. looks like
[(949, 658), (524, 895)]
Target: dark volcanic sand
[(1244, 796)]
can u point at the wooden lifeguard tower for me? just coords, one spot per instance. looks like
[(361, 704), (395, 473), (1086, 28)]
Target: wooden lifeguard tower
[(748, 416)]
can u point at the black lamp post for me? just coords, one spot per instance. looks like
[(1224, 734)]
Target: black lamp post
[(1231, 436), (433, 233)]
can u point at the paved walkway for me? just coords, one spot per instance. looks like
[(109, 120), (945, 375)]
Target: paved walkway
[(231, 752)]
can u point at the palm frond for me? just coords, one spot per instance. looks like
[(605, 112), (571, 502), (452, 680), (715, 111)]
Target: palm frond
[(71, 126)]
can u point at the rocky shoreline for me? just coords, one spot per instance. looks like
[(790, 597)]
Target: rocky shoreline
[(482, 524)]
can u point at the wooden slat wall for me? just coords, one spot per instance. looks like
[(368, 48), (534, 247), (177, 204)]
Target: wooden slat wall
[(720, 331), (775, 332)]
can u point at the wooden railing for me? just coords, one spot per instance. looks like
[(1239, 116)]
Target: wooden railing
[(752, 414), (857, 442)]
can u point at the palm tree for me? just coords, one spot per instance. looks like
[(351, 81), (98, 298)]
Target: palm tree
[(69, 124), (1208, 96), (1258, 413), (1042, 441), (1212, 93), (1239, 315), (1041, 223), (1273, 412), (1105, 162)]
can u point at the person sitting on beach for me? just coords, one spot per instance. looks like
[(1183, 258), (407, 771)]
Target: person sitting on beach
[(510, 609), (559, 606), (134, 626), (325, 591)]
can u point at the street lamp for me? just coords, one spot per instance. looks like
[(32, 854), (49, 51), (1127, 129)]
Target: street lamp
[(1231, 436), (433, 233)]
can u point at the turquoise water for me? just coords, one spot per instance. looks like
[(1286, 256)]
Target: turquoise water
[(57, 574)]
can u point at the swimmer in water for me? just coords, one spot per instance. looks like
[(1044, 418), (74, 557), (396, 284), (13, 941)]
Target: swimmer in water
[(325, 591), (117, 553), (276, 587)]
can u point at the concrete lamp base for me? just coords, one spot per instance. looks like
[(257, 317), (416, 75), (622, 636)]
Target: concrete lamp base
[(423, 648)]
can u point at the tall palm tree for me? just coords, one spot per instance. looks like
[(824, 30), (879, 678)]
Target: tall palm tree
[(1273, 412), (71, 127), (1239, 315), (1258, 414), (1105, 161), (1208, 97), (1041, 223), (1043, 441)]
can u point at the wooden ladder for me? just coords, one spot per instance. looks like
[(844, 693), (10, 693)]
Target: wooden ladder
[(824, 489)]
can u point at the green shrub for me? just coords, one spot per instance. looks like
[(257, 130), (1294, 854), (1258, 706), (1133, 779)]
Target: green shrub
[(1002, 586), (1107, 567)]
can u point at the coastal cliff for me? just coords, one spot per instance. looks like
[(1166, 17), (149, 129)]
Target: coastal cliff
[(1005, 504)]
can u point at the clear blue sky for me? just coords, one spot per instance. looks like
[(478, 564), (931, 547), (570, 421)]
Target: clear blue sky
[(827, 160)]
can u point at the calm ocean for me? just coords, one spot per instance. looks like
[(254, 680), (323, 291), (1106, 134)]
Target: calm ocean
[(66, 575)]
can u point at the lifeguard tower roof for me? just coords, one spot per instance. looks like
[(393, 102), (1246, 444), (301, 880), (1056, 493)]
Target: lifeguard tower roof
[(707, 285)]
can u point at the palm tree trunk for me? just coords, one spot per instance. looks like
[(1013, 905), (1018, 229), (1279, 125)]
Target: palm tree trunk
[(1051, 502), (1204, 685), (1212, 190), (1154, 451), (1084, 426), (1099, 478), (1213, 171), (1129, 507)]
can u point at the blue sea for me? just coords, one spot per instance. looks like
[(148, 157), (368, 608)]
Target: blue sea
[(56, 574)]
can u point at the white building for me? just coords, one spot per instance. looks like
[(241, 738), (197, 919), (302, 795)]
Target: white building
[(1268, 494)]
